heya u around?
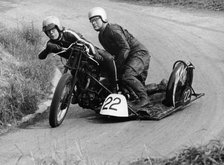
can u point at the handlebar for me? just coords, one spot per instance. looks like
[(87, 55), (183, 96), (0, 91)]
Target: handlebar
[(78, 46)]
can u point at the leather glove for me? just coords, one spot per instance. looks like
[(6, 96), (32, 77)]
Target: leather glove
[(105, 54), (97, 56)]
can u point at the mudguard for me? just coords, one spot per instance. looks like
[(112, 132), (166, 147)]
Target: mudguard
[(115, 105), (179, 85)]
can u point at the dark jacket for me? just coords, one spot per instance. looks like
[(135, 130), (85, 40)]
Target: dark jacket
[(66, 38), (120, 43)]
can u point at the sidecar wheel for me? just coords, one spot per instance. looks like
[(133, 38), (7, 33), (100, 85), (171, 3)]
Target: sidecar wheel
[(61, 100), (178, 89)]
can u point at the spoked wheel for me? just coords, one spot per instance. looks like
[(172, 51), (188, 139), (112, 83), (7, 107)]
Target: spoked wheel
[(61, 101)]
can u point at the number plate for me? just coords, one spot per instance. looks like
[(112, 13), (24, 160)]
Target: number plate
[(115, 105)]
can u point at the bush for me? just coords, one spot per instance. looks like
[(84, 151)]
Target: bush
[(27, 78)]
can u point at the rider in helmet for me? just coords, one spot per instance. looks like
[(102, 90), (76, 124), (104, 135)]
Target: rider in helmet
[(131, 57), (60, 38)]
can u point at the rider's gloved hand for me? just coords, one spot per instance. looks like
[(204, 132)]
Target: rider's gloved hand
[(89, 45), (97, 56), (54, 48), (104, 54)]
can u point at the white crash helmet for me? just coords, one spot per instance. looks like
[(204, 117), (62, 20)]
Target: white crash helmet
[(98, 11), (51, 22)]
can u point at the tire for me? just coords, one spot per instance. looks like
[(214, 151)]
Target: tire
[(179, 85), (61, 100)]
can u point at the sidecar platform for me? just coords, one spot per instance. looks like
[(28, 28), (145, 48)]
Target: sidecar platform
[(177, 95), (159, 111)]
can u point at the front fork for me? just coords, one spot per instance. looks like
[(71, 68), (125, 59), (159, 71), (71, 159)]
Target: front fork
[(67, 98)]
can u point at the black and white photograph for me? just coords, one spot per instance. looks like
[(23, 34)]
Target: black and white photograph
[(111, 82)]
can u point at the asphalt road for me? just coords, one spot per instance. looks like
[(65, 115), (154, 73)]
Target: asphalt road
[(170, 34)]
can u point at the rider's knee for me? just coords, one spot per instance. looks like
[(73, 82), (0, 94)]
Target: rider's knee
[(109, 58), (127, 77)]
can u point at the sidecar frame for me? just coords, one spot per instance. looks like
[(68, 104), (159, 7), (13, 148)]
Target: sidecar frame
[(178, 95)]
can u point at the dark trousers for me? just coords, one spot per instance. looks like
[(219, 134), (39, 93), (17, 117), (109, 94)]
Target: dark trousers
[(108, 67), (135, 72)]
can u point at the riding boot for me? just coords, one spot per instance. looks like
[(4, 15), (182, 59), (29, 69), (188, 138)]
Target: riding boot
[(143, 101), (163, 84), (156, 88)]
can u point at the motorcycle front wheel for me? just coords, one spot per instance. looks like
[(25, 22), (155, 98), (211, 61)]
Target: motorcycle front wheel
[(61, 101)]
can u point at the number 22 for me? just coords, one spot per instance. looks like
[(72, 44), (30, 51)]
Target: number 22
[(111, 102)]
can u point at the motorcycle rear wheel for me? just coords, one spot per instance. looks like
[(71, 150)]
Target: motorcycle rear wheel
[(61, 101)]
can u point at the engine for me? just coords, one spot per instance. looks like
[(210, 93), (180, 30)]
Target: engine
[(89, 91)]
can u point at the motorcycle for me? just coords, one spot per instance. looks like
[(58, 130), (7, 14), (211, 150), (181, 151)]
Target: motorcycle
[(83, 80)]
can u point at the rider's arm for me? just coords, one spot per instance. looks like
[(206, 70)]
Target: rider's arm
[(53, 48), (78, 37), (43, 54), (50, 48), (118, 37)]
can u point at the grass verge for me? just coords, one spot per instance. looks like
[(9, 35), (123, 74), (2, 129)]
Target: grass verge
[(210, 154), (25, 80), (217, 5)]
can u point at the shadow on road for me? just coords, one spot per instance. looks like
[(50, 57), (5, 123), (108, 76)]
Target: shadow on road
[(108, 119)]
